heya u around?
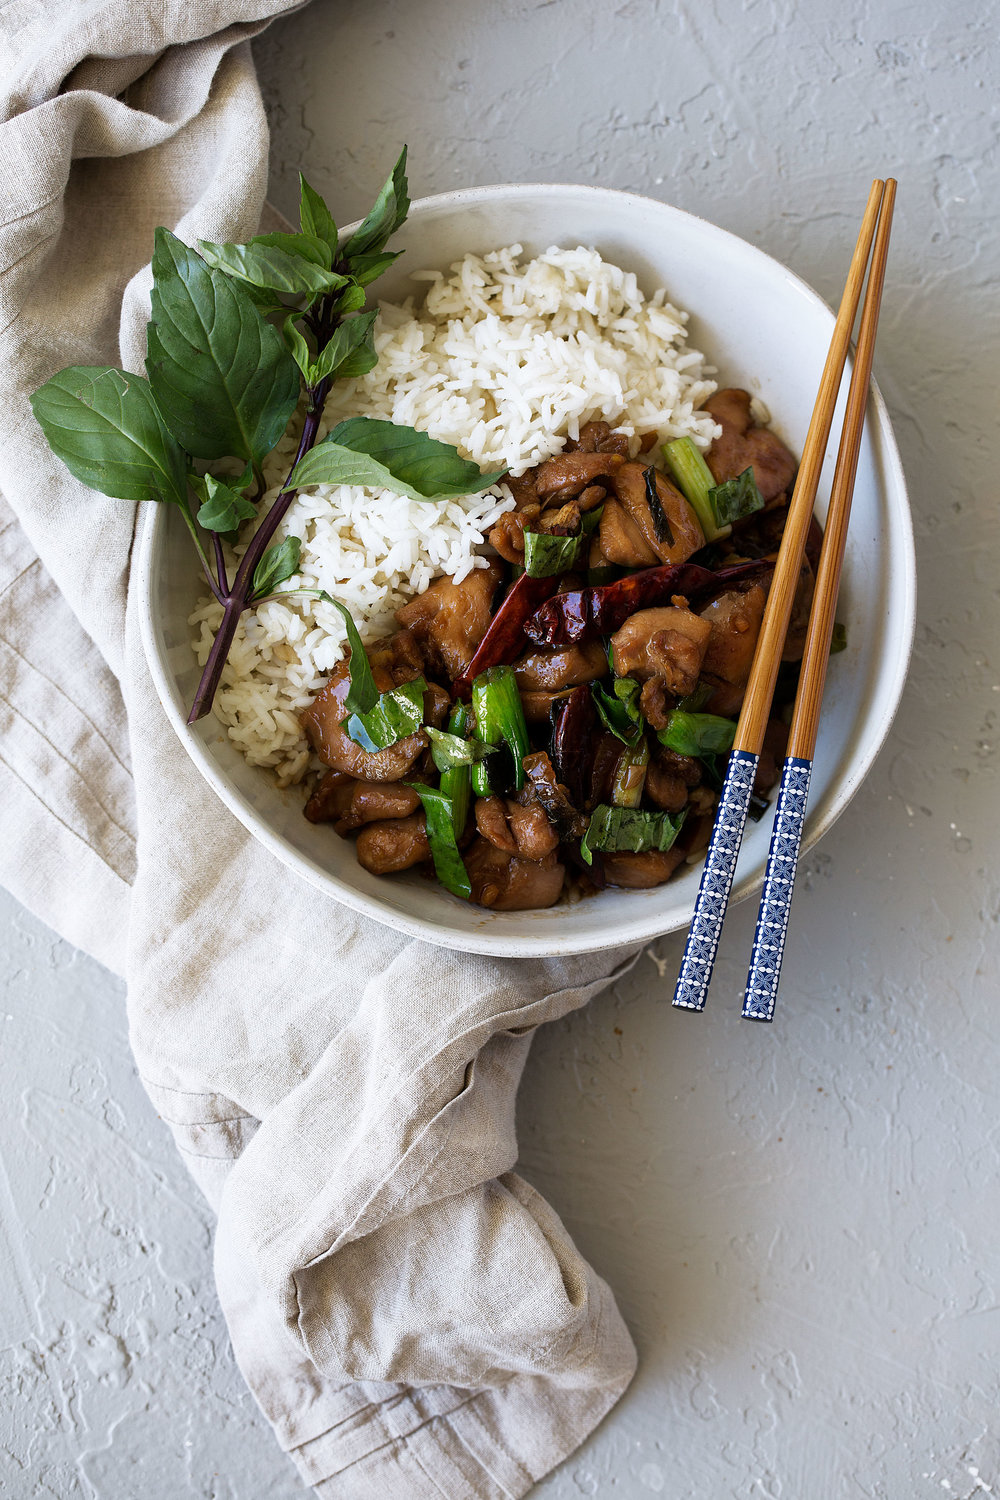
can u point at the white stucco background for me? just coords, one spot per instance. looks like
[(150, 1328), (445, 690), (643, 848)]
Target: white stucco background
[(802, 1223)]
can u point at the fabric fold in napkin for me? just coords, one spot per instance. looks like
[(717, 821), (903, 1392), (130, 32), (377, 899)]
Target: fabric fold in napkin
[(412, 1317)]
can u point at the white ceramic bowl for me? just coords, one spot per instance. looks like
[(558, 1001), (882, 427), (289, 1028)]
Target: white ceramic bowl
[(764, 329)]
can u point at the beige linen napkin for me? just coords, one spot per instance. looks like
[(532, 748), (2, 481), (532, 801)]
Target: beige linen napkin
[(411, 1316)]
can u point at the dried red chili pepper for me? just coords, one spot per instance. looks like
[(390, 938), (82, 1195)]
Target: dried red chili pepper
[(504, 639), (574, 734), (584, 614)]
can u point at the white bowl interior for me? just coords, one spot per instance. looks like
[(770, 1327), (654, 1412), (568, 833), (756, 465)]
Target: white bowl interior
[(763, 329)]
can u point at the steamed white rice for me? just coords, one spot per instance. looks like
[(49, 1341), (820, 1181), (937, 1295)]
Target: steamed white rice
[(506, 360)]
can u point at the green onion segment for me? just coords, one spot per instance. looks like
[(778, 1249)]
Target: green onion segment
[(496, 705), (695, 481), (456, 778), (696, 734)]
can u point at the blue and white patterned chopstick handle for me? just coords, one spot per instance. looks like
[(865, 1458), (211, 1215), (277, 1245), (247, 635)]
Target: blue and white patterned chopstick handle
[(776, 897), (716, 882)]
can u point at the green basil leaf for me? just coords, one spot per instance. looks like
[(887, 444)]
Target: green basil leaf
[(734, 499), (223, 380), (448, 751), (289, 268), (387, 214), (362, 694), (316, 219), (838, 638), (299, 349), (223, 507), (545, 556), (388, 456), (397, 713), (449, 866), (278, 564), (105, 426), (368, 268), (696, 734), (349, 353), (351, 299), (307, 246), (619, 710), (615, 830)]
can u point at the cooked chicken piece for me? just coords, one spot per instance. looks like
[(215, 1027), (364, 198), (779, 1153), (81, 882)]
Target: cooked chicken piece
[(669, 527), (399, 655), (562, 522), (568, 474), (449, 619), (687, 767), (735, 620), (507, 536), (667, 642), (772, 756), (322, 723), (504, 882), (665, 787), (638, 872), (591, 497), (741, 445), (592, 435), (384, 848), (523, 489), (552, 795), (348, 803), (795, 638), (621, 540), (515, 828), (538, 704), (550, 671), (656, 702)]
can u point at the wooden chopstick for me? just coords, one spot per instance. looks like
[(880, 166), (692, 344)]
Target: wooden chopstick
[(789, 818), (734, 798)]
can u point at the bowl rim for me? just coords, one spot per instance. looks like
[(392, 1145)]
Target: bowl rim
[(153, 519)]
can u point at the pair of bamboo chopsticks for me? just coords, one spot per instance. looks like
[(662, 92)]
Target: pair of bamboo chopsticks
[(730, 821)]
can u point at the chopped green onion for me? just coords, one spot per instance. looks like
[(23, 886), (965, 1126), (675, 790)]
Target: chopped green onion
[(838, 639), (630, 775), (363, 694), (695, 481), (697, 699), (618, 829), (456, 780), (448, 864), (696, 734), (496, 704), (619, 709), (394, 715), (734, 499)]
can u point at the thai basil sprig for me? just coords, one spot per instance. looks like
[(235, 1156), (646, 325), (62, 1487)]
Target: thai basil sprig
[(223, 381)]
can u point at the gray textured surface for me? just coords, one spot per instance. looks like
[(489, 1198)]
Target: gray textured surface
[(801, 1223)]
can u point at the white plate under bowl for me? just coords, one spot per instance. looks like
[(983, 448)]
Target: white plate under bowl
[(763, 329)]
